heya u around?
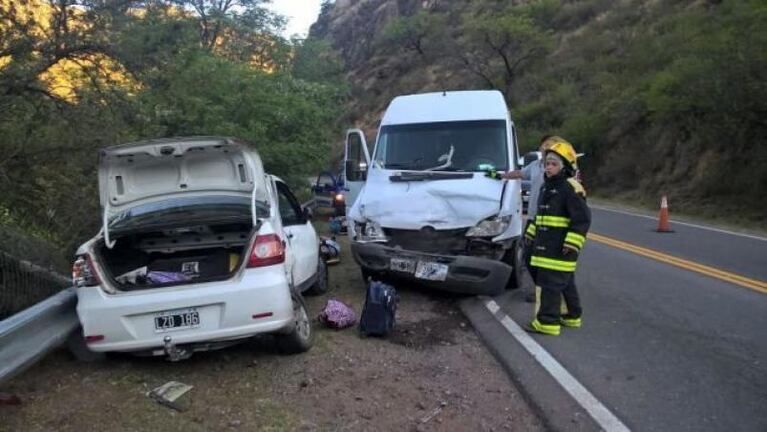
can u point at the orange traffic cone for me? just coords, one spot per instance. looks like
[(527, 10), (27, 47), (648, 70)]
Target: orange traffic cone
[(663, 225)]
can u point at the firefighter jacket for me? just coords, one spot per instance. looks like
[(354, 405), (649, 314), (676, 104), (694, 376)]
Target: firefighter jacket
[(560, 226)]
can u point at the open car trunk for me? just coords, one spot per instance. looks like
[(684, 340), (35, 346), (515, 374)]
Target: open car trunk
[(179, 255)]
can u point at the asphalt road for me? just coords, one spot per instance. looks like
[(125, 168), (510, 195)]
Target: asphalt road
[(662, 347)]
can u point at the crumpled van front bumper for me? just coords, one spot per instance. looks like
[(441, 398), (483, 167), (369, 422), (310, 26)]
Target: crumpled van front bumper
[(466, 274)]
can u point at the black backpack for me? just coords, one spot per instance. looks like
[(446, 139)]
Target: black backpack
[(380, 309)]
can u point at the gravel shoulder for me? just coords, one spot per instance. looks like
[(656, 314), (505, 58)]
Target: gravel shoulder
[(432, 373)]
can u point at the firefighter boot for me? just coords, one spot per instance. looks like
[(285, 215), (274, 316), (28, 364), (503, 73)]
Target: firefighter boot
[(547, 329), (570, 321)]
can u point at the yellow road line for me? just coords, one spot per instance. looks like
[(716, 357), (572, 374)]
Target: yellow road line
[(743, 281)]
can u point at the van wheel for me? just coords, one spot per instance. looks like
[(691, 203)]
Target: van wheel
[(366, 274), (516, 258), (301, 337), (370, 274), (321, 285), (79, 349)]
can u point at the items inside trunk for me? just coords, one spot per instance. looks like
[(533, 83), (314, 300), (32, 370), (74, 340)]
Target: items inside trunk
[(180, 255)]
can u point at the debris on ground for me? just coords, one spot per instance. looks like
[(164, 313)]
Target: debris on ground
[(434, 412), (168, 393), (330, 250)]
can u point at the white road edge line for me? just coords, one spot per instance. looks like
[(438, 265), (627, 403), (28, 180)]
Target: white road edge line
[(604, 418), (755, 237)]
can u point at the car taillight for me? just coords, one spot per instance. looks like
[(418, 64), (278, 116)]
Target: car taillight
[(267, 250), (83, 272)]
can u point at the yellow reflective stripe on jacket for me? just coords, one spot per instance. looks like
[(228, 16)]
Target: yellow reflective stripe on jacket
[(552, 264), (575, 239), (530, 230), (552, 221)]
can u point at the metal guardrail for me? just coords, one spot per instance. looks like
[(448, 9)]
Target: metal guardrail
[(30, 334)]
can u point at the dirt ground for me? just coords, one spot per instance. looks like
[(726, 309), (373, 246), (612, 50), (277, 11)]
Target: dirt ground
[(431, 374)]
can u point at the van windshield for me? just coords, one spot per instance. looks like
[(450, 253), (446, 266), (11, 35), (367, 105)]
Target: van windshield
[(444, 146)]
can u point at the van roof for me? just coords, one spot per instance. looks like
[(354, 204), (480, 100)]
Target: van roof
[(446, 106)]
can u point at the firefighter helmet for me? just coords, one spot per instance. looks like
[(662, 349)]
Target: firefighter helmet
[(565, 150)]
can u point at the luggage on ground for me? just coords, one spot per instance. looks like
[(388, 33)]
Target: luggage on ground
[(380, 308)]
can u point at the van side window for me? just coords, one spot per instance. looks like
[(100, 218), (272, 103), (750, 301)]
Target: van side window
[(357, 157), (290, 211)]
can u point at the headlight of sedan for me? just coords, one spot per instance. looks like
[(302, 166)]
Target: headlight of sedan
[(491, 227), (369, 232)]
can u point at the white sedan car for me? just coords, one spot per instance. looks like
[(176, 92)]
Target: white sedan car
[(199, 249)]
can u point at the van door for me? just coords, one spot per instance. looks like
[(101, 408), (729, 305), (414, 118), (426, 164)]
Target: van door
[(356, 164)]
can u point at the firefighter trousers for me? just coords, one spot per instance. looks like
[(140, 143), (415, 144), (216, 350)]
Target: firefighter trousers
[(554, 286)]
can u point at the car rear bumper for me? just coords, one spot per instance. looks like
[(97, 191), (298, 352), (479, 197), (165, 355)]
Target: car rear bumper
[(466, 274), (255, 301)]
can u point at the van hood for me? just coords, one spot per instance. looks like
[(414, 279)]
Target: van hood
[(441, 204)]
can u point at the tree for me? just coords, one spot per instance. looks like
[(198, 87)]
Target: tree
[(140, 70), (315, 60), (244, 30), (498, 45), (416, 32)]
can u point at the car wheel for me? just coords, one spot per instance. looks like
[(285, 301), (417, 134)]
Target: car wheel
[(79, 349), (301, 336), (321, 285)]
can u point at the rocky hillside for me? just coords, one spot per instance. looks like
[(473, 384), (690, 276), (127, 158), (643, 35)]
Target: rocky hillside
[(665, 97), (377, 71)]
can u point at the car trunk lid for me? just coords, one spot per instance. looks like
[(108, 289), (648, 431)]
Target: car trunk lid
[(145, 172)]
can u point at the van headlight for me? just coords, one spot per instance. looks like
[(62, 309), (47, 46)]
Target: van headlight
[(369, 232), (491, 227)]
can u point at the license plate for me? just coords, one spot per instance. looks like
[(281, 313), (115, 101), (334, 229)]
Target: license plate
[(404, 265), (431, 271), (176, 320)]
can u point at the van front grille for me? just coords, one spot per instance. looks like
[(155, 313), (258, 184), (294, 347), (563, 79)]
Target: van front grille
[(429, 240)]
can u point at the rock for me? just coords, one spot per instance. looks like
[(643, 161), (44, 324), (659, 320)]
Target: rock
[(235, 423), (420, 406)]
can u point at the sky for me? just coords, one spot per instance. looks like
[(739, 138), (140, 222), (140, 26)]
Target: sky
[(300, 13)]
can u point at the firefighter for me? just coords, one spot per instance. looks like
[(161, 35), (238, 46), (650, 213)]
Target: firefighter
[(557, 235)]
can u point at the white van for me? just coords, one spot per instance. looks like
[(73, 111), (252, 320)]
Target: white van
[(426, 209)]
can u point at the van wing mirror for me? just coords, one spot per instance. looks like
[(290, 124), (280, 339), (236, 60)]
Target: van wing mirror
[(356, 171)]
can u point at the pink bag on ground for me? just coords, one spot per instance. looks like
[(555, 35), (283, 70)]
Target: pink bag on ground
[(337, 315)]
